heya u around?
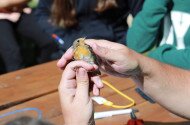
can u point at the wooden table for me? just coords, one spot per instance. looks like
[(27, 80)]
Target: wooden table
[(37, 87)]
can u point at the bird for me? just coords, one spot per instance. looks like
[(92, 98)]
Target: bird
[(84, 52)]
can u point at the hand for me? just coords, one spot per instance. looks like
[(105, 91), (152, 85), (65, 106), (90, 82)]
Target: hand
[(13, 17), (76, 104), (27, 10), (114, 58), (118, 60), (67, 57), (11, 3)]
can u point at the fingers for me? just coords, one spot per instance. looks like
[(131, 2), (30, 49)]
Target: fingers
[(27, 10), (104, 43), (70, 70), (96, 90), (68, 55), (67, 85), (106, 53), (97, 81), (97, 85), (82, 92)]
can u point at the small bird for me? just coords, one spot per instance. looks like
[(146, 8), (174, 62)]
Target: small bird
[(84, 52)]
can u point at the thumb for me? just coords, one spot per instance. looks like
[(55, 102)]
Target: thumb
[(104, 52), (82, 92)]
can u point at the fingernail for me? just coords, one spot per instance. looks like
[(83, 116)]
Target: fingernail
[(82, 72)]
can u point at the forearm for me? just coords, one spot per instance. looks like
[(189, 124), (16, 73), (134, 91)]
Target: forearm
[(9, 3), (167, 85)]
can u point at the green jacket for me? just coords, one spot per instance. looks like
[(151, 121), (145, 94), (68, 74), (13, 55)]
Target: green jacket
[(174, 48)]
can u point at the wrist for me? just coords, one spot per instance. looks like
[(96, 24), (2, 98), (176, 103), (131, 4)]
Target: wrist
[(144, 65), (149, 68), (139, 72)]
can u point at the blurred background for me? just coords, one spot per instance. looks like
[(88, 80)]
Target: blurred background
[(38, 31)]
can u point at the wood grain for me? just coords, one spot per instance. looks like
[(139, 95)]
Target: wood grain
[(37, 87), (26, 84)]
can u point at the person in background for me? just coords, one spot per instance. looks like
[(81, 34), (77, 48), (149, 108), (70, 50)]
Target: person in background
[(171, 16), (25, 120), (17, 20), (100, 19)]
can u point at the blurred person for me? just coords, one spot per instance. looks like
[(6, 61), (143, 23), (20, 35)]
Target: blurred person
[(25, 120), (17, 20), (100, 19), (168, 20)]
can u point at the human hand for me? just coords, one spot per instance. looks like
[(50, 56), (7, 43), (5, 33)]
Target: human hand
[(11, 3), (27, 10), (67, 57), (13, 17), (76, 104), (114, 58)]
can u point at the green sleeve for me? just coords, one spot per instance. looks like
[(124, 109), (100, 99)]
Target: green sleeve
[(170, 55), (33, 3), (143, 33)]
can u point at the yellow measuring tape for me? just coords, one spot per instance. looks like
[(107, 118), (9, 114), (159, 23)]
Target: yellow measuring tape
[(109, 103)]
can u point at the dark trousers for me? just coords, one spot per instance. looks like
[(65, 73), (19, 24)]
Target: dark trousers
[(29, 28)]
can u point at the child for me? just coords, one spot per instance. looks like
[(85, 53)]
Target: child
[(171, 15), (17, 20), (100, 19)]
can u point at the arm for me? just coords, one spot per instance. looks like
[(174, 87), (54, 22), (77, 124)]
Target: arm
[(167, 85), (170, 55), (142, 35), (9, 3)]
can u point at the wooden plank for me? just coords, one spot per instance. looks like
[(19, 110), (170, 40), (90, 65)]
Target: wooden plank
[(50, 104), (28, 83), (150, 113), (51, 109), (37, 81), (42, 81), (119, 83)]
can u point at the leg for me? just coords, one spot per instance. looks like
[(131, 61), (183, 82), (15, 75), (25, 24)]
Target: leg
[(9, 50), (29, 28)]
